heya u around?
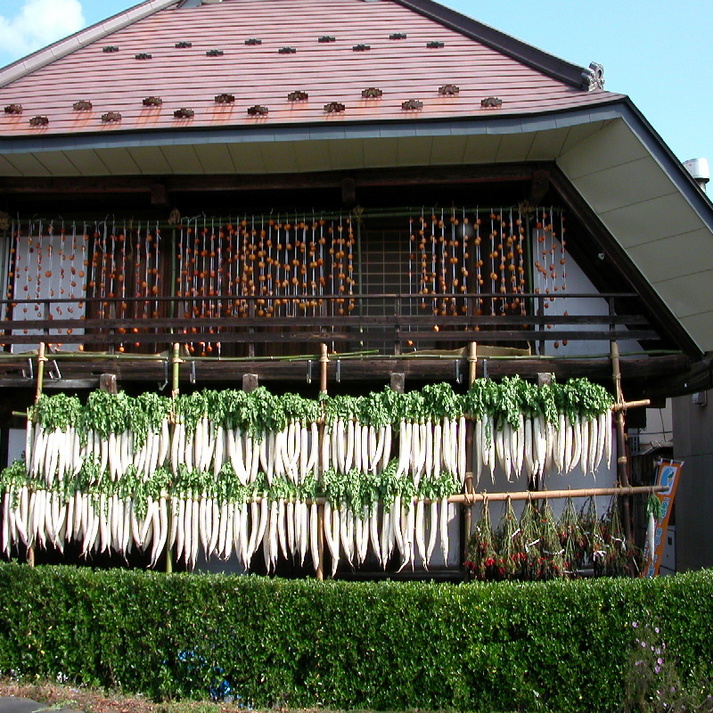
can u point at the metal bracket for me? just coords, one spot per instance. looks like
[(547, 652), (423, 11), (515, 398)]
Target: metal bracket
[(309, 371), (58, 374), (161, 387), (339, 371), (192, 375), (459, 376), (32, 370)]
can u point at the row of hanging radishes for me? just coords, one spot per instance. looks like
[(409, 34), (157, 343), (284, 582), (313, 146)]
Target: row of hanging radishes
[(189, 526), (423, 449)]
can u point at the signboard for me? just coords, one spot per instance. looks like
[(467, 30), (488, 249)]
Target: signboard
[(668, 474)]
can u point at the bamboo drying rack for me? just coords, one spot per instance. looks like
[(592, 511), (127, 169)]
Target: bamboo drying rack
[(469, 497)]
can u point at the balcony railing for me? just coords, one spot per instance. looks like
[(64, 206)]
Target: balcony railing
[(388, 322)]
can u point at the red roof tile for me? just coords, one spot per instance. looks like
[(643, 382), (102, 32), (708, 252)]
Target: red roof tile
[(258, 74)]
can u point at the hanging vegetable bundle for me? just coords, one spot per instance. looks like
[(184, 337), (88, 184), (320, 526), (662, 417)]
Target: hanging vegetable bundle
[(227, 472), (537, 546)]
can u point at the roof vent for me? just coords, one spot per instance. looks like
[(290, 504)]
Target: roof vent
[(183, 45), (491, 103), (13, 109), (224, 98), (699, 169), (258, 110), (435, 45), (334, 108), (152, 101), (110, 48), (111, 117), (448, 90), (298, 96), (143, 55), (82, 105), (39, 121), (361, 48), (183, 113), (287, 50), (398, 36), (412, 105), (372, 93), (326, 38), (214, 53)]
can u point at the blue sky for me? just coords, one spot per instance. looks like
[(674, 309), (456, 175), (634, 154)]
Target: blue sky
[(658, 52)]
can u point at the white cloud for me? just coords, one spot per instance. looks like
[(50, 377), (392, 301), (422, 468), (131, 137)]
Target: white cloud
[(39, 23)]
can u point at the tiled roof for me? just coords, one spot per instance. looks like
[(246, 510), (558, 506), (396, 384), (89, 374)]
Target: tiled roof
[(261, 51)]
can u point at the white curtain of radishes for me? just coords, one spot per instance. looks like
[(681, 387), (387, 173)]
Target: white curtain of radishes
[(230, 473)]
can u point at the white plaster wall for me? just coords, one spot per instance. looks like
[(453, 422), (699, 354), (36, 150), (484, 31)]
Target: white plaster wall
[(577, 283), (43, 270)]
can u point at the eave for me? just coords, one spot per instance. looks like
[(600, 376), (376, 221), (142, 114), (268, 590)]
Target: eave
[(660, 222)]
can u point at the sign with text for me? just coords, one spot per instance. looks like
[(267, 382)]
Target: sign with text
[(668, 474)]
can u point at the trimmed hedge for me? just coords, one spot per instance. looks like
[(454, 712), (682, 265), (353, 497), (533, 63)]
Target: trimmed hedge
[(557, 646)]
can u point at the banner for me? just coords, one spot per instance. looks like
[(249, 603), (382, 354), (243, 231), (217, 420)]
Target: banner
[(668, 475)]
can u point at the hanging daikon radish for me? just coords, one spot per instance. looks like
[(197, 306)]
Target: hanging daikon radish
[(335, 539), (292, 525), (332, 546), (584, 448), (374, 530), (280, 514), (576, 456), (345, 536), (405, 434), (443, 522), (314, 534), (386, 452), (432, 531)]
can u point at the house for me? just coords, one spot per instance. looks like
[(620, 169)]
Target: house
[(388, 178)]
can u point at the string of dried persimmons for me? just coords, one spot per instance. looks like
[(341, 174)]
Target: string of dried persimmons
[(484, 253), (265, 267)]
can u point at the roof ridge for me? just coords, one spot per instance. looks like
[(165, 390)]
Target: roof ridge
[(519, 50), (24, 66)]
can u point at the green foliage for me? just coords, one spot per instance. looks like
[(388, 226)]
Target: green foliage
[(556, 646)]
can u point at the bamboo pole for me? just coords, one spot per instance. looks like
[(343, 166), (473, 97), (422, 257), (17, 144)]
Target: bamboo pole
[(323, 367), (41, 361), (466, 509), (622, 460), (472, 498), (554, 494), (175, 380)]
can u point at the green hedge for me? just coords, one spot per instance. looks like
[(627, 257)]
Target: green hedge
[(555, 646)]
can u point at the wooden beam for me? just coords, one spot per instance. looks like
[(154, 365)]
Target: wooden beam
[(427, 175)]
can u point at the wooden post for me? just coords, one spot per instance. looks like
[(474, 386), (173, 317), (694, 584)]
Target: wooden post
[(107, 382)]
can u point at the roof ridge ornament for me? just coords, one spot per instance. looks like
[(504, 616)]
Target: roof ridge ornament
[(593, 77)]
